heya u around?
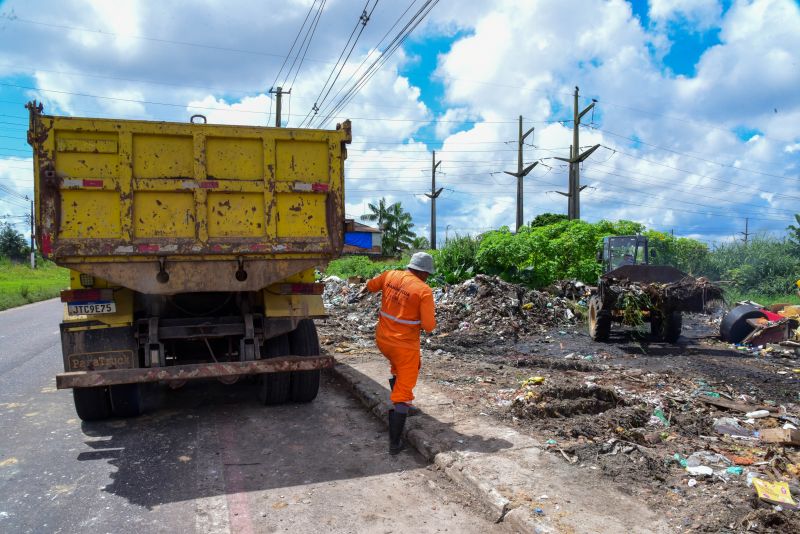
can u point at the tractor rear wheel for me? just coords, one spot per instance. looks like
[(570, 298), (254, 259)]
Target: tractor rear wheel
[(599, 320)]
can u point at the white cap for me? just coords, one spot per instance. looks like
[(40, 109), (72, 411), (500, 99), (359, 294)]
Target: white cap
[(421, 261)]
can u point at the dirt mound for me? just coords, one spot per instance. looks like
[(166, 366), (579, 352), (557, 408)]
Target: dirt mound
[(564, 401)]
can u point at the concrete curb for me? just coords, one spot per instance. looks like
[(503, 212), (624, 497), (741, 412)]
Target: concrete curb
[(449, 462)]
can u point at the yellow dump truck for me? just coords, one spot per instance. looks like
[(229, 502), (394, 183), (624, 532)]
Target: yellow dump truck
[(192, 249)]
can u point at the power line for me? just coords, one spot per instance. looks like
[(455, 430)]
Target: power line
[(362, 21), (291, 49), (306, 42), (415, 20)]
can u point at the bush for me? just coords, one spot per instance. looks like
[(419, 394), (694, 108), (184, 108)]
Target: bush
[(763, 266), (688, 255), (363, 266), (539, 256), (455, 262)]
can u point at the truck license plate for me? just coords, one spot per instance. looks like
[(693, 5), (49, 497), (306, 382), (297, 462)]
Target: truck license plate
[(91, 308)]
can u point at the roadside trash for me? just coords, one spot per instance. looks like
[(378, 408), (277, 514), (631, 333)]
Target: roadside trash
[(534, 380), (700, 470), (773, 492), (758, 414), (735, 470), (551, 442), (538, 511), (692, 482), (730, 426), (680, 459), (741, 460), (658, 415), (706, 458), (784, 436)]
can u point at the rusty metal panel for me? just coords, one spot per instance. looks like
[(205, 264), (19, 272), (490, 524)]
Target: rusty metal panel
[(114, 194), (191, 372)]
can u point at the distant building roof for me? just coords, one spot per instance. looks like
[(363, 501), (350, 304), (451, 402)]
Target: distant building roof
[(358, 227)]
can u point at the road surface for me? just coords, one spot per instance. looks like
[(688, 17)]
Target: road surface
[(205, 458)]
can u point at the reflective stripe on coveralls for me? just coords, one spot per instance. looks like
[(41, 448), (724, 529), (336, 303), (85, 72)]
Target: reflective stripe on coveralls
[(395, 319), (406, 307)]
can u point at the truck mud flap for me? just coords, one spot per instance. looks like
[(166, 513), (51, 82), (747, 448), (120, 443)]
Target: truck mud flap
[(80, 379)]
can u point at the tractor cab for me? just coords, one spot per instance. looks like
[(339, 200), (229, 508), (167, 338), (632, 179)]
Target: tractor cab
[(623, 250)]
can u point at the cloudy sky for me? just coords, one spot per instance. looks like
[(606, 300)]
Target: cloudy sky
[(697, 112)]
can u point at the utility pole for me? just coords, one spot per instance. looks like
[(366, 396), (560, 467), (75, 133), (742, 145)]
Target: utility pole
[(576, 157), (433, 195), (33, 256), (278, 92), (746, 232), (521, 173)]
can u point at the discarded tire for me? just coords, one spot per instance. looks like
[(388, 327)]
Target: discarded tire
[(303, 341), (599, 320), (734, 327), (274, 388), (92, 404)]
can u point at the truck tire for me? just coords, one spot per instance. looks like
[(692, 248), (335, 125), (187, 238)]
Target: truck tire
[(734, 327), (667, 330), (303, 341), (92, 404), (274, 388), (126, 400), (599, 320)]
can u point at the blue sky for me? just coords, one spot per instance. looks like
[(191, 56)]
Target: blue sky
[(696, 114)]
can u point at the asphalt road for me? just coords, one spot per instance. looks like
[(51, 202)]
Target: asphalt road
[(204, 458)]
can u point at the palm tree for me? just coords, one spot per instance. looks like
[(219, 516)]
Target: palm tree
[(379, 213), (395, 223), (420, 242)]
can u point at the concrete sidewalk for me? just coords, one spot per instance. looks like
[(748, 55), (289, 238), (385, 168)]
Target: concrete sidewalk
[(511, 473)]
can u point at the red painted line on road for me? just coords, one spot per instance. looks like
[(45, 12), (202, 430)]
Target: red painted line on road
[(239, 516)]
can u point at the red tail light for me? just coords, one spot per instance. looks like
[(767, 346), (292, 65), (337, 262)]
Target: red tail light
[(301, 289), (87, 295)]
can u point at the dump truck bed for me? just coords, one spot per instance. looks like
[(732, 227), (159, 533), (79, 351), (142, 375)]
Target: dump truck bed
[(125, 200)]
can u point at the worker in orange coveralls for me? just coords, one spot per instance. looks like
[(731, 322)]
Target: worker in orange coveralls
[(406, 308)]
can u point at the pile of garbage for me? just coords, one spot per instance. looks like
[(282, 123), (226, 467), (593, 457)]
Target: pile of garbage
[(481, 305), (687, 294), (694, 437)]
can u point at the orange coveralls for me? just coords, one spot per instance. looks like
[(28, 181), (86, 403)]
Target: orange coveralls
[(406, 307)]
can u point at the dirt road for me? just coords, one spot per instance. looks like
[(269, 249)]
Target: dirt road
[(204, 459)]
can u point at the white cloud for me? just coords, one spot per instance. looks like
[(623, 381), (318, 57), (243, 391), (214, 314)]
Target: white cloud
[(702, 13)]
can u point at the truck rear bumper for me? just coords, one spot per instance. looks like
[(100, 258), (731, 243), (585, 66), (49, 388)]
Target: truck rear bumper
[(82, 379)]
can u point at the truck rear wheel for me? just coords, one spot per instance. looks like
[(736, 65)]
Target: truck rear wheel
[(126, 400), (599, 320), (92, 404), (274, 388), (303, 341)]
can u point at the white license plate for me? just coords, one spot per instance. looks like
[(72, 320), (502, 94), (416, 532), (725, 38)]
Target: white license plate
[(91, 308)]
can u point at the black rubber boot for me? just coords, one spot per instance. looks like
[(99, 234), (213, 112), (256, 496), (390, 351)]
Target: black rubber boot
[(412, 410), (396, 423)]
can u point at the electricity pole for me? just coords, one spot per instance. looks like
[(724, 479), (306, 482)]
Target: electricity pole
[(521, 173), (278, 92), (746, 232), (33, 256), (576, 157), (433, 195)]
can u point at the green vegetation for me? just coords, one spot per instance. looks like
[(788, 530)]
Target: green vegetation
[(763, 270), (361, 266), (19, 284), (12, 243)]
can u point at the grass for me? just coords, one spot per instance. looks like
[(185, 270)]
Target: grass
[(765, 300), (19, 284)]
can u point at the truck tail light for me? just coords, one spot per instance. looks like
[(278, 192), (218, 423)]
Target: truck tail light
[(301, 289), (87, 295)]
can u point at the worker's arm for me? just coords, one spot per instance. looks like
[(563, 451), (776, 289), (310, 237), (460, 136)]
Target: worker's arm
[(376, 284), (426, 311)]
